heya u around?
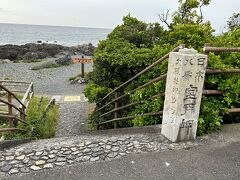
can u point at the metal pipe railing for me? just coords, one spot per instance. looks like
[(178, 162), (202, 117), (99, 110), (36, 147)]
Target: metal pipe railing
[(143, 71), (130, 92), (207, 49), (131, 117)]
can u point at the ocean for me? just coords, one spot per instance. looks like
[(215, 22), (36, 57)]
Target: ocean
[(68, 36)]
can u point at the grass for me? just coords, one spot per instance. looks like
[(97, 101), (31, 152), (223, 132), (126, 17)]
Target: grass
[(31, 60), (19, 96), (90, 109), (44, 124), (46, 65), (4, 109), (7, 78), (73, 78), (3, 121), (41, 124)]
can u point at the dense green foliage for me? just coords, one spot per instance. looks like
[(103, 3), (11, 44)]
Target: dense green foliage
[(192, 35), (40, 124), (134, 45)]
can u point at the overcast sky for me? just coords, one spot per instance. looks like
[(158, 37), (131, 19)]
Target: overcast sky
[(103, 13)]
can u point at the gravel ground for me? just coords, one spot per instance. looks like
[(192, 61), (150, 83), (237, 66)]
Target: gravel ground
[(53, 81), (73, 119)]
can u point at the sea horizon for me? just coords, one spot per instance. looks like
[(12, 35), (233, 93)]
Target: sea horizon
[(56, 25), (19, 34)]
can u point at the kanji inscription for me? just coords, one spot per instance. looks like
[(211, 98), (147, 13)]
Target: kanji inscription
[(185, 78)]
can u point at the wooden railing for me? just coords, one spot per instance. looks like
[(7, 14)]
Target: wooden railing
[(15, 108), (114, 96)]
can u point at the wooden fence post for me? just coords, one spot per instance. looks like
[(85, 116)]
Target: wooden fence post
[(10, 110), (32, 90), (22, 116), (82, 70), (82, 67)]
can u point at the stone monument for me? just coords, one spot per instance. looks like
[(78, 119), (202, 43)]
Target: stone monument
[(185, 79)]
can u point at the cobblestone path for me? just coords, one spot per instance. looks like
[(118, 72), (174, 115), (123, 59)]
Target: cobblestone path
[(51, 153)]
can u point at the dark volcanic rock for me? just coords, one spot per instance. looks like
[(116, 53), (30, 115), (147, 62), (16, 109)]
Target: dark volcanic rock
[(87, 49), (29, 51), (66, 60), (49, 49), (40, 51), (35, 55), (9, 52)]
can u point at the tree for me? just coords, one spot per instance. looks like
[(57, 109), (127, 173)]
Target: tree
[(187, 24), (189, 11), (133, 45), (234, 21), (126, 51), (138, 32), (164, 18)]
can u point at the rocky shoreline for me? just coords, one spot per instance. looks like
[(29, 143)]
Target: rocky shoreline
[(33, 51)]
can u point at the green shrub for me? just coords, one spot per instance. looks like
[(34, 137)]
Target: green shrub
[(95, 92), (31, 60), (40, 125), (44, 125)]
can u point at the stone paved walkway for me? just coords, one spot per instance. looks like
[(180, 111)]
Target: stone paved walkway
[(72, 146), (73, 118), (44, 154)]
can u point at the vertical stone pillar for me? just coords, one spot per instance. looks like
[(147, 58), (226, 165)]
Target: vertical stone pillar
[(185, 78)]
